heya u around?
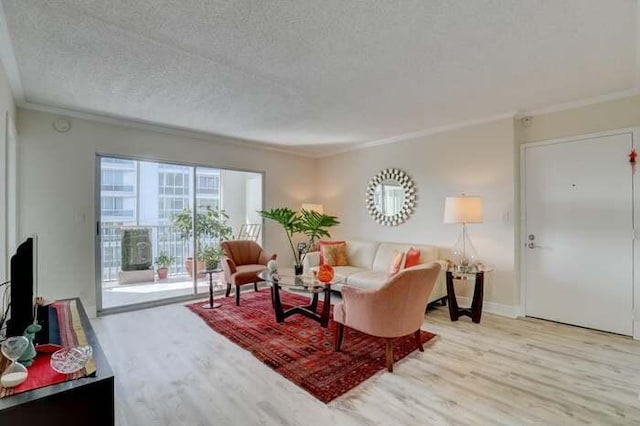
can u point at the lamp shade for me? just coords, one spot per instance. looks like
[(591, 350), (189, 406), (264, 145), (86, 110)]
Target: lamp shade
[(313, 207), (463, 210)]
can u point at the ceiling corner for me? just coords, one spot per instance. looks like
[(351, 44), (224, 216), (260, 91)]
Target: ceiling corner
[(8, 59)]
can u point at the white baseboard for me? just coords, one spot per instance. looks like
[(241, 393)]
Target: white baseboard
[(91, 311), (493, 308)]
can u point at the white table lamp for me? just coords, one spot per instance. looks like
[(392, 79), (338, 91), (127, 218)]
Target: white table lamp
[(463, 210)]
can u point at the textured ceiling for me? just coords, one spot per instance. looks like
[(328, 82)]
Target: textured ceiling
[(307, 73)]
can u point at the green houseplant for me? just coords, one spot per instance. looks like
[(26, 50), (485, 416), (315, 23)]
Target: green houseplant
[(310, 223), (209, 223), (212, 256), (163, 261)]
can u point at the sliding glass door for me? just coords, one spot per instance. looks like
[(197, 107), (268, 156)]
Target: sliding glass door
[(160, 225)]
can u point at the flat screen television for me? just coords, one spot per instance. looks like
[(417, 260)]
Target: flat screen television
[(24, 286)]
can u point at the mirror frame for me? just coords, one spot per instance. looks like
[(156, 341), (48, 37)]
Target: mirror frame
[(408, 204)]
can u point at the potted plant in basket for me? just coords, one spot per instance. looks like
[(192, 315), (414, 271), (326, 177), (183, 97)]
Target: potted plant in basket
[(163, 262), (212, 256), (209, 224), (307, 222)]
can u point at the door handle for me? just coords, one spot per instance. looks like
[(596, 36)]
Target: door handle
[(532, 245)]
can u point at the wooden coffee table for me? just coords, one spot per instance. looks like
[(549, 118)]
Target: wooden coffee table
[(288, 281)]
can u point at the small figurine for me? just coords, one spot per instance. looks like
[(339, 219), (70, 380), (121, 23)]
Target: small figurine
[(29, 354), (272, 266)]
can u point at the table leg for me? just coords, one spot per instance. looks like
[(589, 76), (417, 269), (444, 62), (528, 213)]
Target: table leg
[(454, 312), (314, 302), (478, 294), (326, 307), (277, 304), (211, 305)]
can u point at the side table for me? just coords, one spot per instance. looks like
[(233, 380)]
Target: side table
[(475, 311), (210, 272)]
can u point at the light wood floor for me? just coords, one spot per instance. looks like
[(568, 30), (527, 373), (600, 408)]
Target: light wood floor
[(171, 369)]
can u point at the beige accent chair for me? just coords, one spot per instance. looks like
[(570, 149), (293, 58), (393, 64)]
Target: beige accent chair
[(242, 261), (395, 309)]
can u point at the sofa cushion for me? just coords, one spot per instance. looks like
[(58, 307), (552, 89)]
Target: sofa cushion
[(361, 253), (385, 254), (367, 279), (246, 274)]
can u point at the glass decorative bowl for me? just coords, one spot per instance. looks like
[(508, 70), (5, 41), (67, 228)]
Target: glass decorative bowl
[(70, 360)]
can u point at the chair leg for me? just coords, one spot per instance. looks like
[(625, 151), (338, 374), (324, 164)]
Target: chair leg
[(228, 292), (339, 336), (255, 286), (389, 353), (418, 341), (237, 295)]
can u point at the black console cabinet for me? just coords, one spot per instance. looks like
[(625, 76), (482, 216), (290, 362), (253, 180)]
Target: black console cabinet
[(86, 401)]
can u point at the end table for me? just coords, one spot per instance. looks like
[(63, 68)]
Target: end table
[(475, 311), (210, 272)]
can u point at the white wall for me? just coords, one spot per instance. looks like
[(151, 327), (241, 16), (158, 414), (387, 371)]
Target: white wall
[(57, 180), (476, 160), (234, 197), (7, 174)]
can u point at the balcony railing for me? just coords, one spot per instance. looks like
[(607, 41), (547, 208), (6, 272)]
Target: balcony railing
[(164, 238)]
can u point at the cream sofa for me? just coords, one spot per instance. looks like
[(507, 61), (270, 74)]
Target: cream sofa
[(369, 262)]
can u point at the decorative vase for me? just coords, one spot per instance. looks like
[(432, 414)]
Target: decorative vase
[(272, 266), (298, 269), (325, 273)]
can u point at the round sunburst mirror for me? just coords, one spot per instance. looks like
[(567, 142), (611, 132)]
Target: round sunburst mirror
[(391, 197)]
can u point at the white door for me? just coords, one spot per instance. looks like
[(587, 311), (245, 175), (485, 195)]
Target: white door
[(579, 233)]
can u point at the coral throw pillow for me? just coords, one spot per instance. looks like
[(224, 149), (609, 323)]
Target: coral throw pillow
[(412, 258), (333, 253), (396, 262), (321, 244)]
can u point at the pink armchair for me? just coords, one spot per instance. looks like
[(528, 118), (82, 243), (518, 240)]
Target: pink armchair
[(243, 259), (394, 310)]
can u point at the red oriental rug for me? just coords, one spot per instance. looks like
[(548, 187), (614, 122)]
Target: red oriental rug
[(300, 349)]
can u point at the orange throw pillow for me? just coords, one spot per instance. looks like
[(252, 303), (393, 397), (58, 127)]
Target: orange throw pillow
[(321, 244), (396, 262), (334, 253), (412, 258)]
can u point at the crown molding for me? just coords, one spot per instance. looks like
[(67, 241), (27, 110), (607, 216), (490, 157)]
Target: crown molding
[(516, 114), (157, 127), (421, 133), (622, 94), (8, 58)]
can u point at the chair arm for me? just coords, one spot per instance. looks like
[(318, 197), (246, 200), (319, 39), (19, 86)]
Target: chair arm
[(265, 258), (229, 268), (311, 259)]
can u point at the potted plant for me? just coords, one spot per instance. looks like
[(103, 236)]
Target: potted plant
[(163, 262), (209, 224), (212, 256), (307, 222)]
